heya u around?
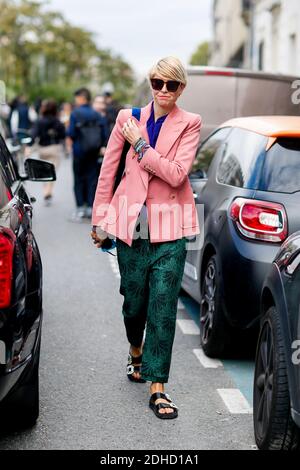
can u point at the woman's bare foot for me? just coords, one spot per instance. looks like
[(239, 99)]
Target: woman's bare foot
[(159, 387)]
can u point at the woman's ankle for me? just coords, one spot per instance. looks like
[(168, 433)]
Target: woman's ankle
[(136, 351), (157, 387)]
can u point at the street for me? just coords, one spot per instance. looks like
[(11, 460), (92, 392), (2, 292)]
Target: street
[(86, 400)]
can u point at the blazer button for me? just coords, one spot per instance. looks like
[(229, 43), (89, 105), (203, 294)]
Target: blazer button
[(172, 196)]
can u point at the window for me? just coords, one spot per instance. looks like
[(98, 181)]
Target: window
[(281, 171), (206, 153), (242, 159), (5, 194), (293, 57), (261, 55), (8, 169)]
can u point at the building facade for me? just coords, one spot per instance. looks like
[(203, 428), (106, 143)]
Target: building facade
[(276, 36), (231, 33), (257, 34)]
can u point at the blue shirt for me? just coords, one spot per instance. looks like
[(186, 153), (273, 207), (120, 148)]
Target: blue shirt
[(86, 113), (153, 127)]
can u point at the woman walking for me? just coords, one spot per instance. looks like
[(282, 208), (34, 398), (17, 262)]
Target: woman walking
[(50, 133), (155, 193)]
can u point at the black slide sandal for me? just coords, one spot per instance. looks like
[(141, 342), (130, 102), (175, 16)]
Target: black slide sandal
[(157, 407), (132, 368)]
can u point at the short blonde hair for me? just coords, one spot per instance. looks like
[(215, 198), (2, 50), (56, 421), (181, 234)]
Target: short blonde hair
[(170, 68)]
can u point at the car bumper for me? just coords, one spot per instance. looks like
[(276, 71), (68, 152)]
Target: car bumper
[(13, 366), (245, 265)]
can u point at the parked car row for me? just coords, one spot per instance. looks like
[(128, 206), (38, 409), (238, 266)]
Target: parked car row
[(251, 197), (277, 365), (20, 292), (247, 176)]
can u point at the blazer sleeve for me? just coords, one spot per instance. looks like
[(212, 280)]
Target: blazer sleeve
[(174, 172), (109, 168)]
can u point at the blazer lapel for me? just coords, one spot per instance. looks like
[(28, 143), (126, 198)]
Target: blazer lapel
[(171, 129)]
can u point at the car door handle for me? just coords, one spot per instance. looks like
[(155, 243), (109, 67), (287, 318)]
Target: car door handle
[(291, 268)]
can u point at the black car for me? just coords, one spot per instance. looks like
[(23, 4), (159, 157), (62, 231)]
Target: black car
[(277, 368), (246, 175), (20, 292)]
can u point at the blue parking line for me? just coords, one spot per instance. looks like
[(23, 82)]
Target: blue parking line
[(192, 308), (241, 372)]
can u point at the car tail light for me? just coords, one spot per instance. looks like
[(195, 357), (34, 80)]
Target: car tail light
[(6, 270), (260, 220)]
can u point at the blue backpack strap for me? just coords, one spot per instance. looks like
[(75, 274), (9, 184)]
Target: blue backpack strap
[(136, 112)]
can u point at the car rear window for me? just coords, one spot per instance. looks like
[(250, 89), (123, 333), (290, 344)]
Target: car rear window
[(242, 159), (281, 171)]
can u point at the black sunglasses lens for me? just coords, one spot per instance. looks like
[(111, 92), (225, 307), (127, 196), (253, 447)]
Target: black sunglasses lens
[(172, 85), (157, 84)]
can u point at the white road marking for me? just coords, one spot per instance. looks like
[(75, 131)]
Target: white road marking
[(188, 327), (180, 305), (207, 362), (115, 267), (235, 401)]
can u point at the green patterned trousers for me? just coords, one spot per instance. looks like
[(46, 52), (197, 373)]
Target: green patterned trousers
[(151, 275)]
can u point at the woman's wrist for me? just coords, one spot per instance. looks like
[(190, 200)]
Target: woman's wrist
[(140, 148), (142, 152), (139, 144)]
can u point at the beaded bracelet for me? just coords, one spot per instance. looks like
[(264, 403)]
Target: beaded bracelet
[(140, 147), (139, 144), (142, 152)]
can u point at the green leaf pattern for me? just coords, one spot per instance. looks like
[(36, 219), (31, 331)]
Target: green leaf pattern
[(151, 275)]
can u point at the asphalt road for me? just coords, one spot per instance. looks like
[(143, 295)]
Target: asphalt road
[(87, 402)]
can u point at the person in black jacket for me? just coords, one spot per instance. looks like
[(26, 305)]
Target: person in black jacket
[(50, 133), (88, 134)]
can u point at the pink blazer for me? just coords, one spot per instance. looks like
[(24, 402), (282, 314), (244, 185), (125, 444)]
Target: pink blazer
[(160, 180)]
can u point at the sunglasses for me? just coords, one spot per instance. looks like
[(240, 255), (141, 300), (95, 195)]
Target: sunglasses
[(158, 84)]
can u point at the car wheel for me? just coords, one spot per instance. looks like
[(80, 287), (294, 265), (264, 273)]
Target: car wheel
[(21, 408), (273, 425), (216, 334)]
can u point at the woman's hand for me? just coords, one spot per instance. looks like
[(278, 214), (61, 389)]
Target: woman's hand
[(98, 237), (131, 131)]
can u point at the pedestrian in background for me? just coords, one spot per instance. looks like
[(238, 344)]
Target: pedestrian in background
[(88, 134), (65, 116), (50, 134), (112, 109), (22, 118), (163, 148), (99, 105)]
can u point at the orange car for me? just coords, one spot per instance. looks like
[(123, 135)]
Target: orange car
[(247, 176)]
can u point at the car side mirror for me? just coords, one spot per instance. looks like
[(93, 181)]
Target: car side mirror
[(39, 170)]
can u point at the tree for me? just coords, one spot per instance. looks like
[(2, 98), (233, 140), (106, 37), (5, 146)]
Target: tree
[(201, 55), (41, 52)]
